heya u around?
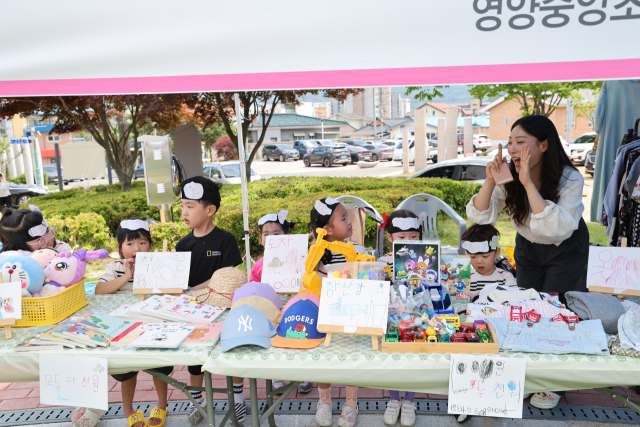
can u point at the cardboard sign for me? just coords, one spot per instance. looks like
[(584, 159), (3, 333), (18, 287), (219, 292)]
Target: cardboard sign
[(617, 269), (11, 300), (416, 260), (455, 275), (486, 386), (74, 381), (283, 264), (157, 270), (353, 303)]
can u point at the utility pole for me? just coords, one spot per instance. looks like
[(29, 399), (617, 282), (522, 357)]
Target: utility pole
[(374, 114), (322, 124)]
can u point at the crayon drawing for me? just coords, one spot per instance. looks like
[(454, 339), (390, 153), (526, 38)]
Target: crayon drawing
[(284, 258), (617, 268), (159, 270)]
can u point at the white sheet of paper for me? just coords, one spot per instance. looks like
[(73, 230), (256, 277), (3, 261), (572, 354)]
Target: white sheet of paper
[(74, 381), (486, 386), (354, 303), (284, 258), (617, 268), (11, 300), (157, 270)]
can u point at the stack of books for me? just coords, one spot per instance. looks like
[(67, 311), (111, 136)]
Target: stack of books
[(170, 309)]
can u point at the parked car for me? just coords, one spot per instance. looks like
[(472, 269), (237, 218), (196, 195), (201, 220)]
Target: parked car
[(21, 193), (481, 142), (465, 169), (138, 172), (282, 152), (358, 153), (432, 152), (304, 146), (433, 142), (389, 142), (52, 174), (328, 156), (590, 162), (581, 147), (380, 152), (326, 143), (227, 172)]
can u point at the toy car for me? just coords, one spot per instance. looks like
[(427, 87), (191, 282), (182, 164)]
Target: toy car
[(392, 336), (445, 338), (457, 337), (406, 338), (465, 329), (419, 338), (484, 336), (479, 324), (471, 337), (452, 319), (432, 339)]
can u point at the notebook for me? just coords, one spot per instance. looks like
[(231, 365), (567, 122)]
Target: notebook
[(187, 309), (204, 334), (164, 336)]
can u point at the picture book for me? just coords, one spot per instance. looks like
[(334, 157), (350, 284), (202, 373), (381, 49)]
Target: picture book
[(416, 262), (133, 312), (127, 337), (206, 334), (106, 325), (156, 303), (40, 338), (187, 309), (57, 332), (165, 336), (121, 338), (455, 275), (27, 346), (85, 333)]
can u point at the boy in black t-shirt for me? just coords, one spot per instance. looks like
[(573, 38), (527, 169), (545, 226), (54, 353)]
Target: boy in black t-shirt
[(211, 249)]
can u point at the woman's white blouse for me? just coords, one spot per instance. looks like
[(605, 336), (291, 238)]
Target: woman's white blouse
[(555, 224)]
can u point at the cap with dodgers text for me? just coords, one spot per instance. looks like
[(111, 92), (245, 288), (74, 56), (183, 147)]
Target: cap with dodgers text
[(299, 326)]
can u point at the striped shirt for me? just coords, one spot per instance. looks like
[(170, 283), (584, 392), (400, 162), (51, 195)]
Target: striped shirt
[(115, 270), (498, 277)]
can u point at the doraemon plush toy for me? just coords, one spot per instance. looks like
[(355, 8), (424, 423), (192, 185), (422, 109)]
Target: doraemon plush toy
[(67, 269), (22, 269)]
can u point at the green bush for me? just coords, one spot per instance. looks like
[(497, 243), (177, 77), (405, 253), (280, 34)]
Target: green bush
[(86, 230), (22, 179), (172, 231)]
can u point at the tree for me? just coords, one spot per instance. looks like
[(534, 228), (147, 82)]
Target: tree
[(425, 93), (585, 105), (114, 121), (219, 107), (534, 98), (224, 146)]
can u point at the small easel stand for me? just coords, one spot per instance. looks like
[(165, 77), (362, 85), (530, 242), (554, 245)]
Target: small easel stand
[(351, 331), (7, 323), (143, 292)]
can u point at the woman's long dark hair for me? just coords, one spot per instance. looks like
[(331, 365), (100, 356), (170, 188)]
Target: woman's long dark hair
[(553, 162)]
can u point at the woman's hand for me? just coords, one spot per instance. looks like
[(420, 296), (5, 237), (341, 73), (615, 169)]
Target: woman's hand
[(494, 166), (525, 172)]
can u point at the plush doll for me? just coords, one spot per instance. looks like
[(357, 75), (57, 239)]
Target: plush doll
[(43, 256), (22, 269), (67, 269)]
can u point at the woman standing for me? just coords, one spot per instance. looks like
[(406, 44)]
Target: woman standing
[(5, 194), (545, 205)]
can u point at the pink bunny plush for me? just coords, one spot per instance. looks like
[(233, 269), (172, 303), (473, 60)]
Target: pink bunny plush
[(67, 269)]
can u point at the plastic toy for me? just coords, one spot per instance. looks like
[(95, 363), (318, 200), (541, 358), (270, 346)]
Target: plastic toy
[(453, 319), (310, 280), (24, 269), (465, 329), (484, 336), (472, 337), (430, 331), (392, 335), (445, 338), (479, 324), (572, 321), (432, 338), (512, 259), (442, 304), (558, 318), (532, 318), (457, 337), (43, 256), (405, 338), (67, 269), (418, 337), (516, 314)]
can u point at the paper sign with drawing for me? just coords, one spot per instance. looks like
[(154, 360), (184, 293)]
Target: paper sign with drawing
[(486, 386), (283, 264), (11, 300), (157, 270), (617, 268), (74, 381), (354, 303)]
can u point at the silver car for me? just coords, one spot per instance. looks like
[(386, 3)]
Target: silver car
[(227, 172), (472, 169)]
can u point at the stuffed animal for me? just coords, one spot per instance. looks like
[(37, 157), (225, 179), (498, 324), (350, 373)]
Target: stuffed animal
[(22, 269), (67, 269), (44, 255)]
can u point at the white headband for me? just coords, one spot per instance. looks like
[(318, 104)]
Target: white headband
[(481, 247), (405, 224), (134, 224), (40, 229), (280, 217), (193, 190), (322, 208)]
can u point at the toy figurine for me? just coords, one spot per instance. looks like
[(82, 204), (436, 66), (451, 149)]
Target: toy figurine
[(484, 336), (430, 331), (432, 338), (418, 337), (457, 337), (479, 324), (472, 337), (445, 338)]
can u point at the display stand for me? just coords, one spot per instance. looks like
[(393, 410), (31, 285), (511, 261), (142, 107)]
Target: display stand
[(612, 291), (143, 292), (351, 331), (7, 323)]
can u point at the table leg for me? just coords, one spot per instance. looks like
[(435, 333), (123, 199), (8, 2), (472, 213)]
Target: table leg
[(255, 416), (272, 406), (232, 405), (619, 398), (272, 422), (209, 396)]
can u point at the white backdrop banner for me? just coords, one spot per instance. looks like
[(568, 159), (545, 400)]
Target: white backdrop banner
[(153, 46)]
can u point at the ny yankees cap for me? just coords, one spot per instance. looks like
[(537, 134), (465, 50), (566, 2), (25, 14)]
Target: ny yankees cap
[(246, 325), (299, 325)]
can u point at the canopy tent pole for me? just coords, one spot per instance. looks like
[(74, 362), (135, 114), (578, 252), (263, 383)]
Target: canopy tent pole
[(243, 185)]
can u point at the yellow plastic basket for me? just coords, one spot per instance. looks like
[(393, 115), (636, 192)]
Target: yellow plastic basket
[(51, 310)]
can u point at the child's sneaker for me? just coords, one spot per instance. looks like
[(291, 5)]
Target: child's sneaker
[(241, 411), (305, 387), (324, 414), (408, 416), (545, 400), (392, 412), (276, 384), (195, 416), (348, 417)]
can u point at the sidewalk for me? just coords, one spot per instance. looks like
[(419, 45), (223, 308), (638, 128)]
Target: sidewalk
[(18, 396)]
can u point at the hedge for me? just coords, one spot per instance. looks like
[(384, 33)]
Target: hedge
[(295, 194), (22, 179)]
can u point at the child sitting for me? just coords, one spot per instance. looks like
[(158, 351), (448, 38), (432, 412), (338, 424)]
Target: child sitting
[(331, 215), (482, 244), (27, 230), (133, 237), (211, 249), (400, 225), (269, 225)]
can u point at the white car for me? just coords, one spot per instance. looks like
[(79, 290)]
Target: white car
[(227, 172), (481, 142), (472, 169), (581, 146), (432, 153)]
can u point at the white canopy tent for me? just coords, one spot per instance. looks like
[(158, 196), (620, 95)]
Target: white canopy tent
[(75, 47)]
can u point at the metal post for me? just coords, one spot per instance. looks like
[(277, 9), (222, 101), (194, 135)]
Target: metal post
[(253, 391), (28, 164), (405, 152), (322, 124), (244, 185), (108, 170), (569, 122), (37, 156), (375, 130), (209, 395), (506, 128), (58, 166)]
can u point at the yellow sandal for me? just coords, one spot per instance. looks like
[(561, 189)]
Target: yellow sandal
[(136, 418), (158, 413)]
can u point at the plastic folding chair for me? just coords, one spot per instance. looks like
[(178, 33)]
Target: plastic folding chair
[(353, 201), (430, 205)]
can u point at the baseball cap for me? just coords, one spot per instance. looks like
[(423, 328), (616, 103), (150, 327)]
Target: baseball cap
[(298, 328), (264, 305), (260, 290), (298, 297), (246, 325)]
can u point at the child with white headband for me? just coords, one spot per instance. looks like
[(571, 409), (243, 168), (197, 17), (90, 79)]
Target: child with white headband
[(27, 230), (482, 243), (270, 225)]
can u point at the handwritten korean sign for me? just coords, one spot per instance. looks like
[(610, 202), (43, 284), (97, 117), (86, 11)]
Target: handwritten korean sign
[(486, 386), (283, 264), (74, 381)]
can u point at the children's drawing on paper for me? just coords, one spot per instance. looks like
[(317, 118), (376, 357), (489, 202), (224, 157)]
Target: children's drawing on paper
[(159, 270), (617, 268), (284, 259), (275, 263), (11, 300)]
